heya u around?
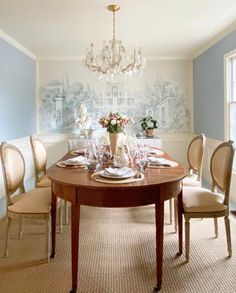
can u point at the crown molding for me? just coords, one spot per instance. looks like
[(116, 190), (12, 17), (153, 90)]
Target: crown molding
[(60, 58), (16, 44), (169, 58), (80, 58), (215, 39)]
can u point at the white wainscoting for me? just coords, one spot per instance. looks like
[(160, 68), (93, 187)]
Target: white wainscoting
[(176, 145)]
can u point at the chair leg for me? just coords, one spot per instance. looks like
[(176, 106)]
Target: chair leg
[(20, 229), (216, 227), (60, 218), (187, 238), (176, 213), (171, 210), (48, 225), (228, 235), (8, 224), (66, 217)]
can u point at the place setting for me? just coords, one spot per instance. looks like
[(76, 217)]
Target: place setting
[(155, 152), (78, 152), (117, 175), (77, 162), (155, 162)]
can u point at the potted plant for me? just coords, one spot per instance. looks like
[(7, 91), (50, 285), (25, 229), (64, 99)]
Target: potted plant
[(148, 124)]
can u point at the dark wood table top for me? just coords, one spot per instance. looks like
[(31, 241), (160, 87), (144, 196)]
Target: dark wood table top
[(80, 177)]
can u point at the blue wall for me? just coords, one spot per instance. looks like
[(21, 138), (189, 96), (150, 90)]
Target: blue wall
[(17, 93), (208, 81)]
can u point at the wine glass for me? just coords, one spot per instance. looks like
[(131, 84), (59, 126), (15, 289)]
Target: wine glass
[(91, 159), (142, 159)]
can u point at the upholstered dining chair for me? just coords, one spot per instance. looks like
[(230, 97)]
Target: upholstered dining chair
[(202, 203), (41, 179), (195, 155), (34, 204)]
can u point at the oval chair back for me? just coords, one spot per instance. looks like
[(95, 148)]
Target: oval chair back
[(195, 155), (13, 165), (40, 157), (221, 168)]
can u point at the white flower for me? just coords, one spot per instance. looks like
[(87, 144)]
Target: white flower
[(113, 122)]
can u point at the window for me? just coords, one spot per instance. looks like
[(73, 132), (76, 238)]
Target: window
[(231, 98)]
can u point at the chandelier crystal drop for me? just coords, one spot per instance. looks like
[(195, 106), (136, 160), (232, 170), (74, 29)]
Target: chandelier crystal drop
[(113, 64)]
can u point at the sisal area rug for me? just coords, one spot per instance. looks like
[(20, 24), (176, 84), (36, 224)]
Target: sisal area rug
[(117, 255)]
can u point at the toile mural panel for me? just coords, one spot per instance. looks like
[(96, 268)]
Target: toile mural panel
[(164, 92)]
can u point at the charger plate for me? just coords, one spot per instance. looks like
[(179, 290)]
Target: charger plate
[(97, 177), (155, 152), (61, 164), (77, 152), (153, 166), (130, 174)]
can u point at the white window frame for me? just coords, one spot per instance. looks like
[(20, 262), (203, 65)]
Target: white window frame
[(228, 98)]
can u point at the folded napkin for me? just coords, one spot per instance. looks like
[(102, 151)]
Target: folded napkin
[(119, 172), (77, 160), (161, 162)]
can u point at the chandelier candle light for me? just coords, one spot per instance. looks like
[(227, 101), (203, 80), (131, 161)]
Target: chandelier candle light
[(113, 64)]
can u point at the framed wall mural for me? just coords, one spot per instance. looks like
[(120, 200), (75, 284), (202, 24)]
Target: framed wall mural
[(164, 92)]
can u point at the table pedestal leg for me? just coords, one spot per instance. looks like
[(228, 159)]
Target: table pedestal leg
[(53, 222), (75, 215), (180, 222), (159, 214)]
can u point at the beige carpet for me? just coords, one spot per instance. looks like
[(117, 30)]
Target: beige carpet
[(117, 255)]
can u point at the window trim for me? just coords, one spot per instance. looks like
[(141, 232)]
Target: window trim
[(226, 102), (227, 56)]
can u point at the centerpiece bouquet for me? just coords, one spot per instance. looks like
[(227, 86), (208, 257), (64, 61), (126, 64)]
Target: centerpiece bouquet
[(114, 122)]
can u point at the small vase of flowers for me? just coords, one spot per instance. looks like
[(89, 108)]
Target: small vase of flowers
[(114, 123), (148, 124)]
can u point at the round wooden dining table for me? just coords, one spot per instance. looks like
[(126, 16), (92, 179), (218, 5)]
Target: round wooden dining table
[(77, 187)]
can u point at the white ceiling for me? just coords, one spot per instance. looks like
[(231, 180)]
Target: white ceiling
[(167, 28)]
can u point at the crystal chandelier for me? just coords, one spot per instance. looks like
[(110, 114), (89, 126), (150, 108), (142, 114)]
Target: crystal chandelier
[(113, 64)]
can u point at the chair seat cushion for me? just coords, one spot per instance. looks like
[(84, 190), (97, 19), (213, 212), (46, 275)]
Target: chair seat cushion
[(201, 200), (36, 201), (191, 180), (44, 182)]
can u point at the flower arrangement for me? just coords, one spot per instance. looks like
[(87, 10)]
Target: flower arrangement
[(148, 123), (114, 122)]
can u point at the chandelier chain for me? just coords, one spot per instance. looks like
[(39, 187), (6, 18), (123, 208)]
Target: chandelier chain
[(114, 26)]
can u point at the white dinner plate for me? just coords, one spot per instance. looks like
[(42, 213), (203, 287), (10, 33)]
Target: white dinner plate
[(125, 176), (156, 152), (75, 161)]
